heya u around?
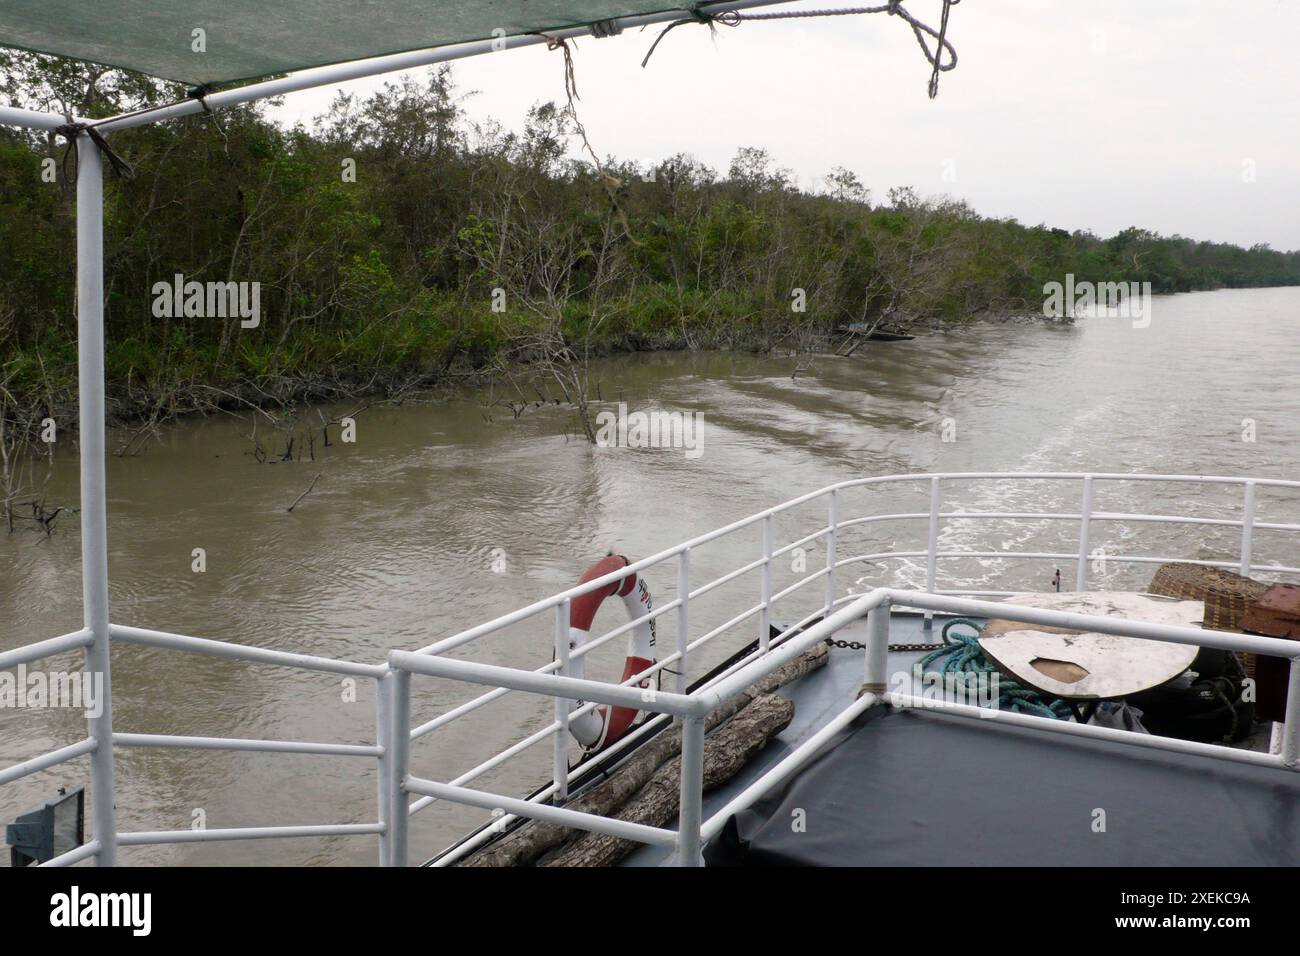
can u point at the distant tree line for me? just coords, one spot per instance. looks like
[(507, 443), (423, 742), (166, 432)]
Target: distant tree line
[(398, 244)]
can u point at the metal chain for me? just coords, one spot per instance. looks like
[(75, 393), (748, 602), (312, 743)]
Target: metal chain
[(894, 648)]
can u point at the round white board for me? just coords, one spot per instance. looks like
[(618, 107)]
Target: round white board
[(1081, 665)]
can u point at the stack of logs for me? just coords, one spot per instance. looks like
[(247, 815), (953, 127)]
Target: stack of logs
[(646, 788)]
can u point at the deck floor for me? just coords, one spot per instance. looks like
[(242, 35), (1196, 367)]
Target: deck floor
[(817, 698), (920, 788), (916, 788)]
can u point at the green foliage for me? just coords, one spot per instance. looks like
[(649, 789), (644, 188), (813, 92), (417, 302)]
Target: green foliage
[(391, 274)]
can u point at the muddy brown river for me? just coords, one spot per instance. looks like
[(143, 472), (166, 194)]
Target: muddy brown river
[(436, 518)]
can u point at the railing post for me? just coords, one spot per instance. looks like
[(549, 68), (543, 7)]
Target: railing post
[(683, 618), (1247, 527), (1291, 729), (563, 706), (1085, 512), (833, 520), (399, 735), (692, 793), (932, 547), (94, 509), (765, 615), (877, 649), (383, 737)]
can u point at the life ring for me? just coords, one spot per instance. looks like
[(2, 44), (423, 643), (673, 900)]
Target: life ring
[(599, 728)]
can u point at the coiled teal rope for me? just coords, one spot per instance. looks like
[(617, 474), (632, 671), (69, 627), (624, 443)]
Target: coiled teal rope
[(964, 660)]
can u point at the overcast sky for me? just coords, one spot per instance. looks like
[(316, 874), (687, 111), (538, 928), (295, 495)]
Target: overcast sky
[(1095, 114)]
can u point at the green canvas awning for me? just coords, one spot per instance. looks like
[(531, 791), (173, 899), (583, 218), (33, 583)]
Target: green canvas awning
[(248, 39)]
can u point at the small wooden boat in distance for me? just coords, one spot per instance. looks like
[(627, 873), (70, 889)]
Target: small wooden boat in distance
[(868, 329), (879, 336)]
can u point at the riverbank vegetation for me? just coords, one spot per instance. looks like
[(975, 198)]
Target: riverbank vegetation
[(399, 245)]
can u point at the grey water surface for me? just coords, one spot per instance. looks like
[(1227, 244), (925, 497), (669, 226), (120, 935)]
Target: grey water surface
[(436, 519)]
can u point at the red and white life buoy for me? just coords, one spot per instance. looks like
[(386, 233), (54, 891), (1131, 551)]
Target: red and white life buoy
[(604, 725)]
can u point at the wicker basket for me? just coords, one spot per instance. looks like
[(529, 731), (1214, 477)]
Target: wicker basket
[(1226, 595)]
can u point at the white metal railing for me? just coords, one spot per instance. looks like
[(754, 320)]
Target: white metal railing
[(394, 733), (692, 830), (877, 606)]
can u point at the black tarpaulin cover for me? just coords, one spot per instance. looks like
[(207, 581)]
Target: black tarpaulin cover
[(911, 788)]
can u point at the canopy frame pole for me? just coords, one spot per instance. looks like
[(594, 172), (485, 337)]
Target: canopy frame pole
[(94, 510), (31, 119), (374, 66)]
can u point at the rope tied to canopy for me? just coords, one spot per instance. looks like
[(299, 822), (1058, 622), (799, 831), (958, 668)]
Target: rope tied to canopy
[(72, 129), (602, 29), (571, 93), (608, 182), (894, 8), (200, 93)]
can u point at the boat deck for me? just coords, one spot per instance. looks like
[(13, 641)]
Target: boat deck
[(914, 787), (917, 788), (817, 698)]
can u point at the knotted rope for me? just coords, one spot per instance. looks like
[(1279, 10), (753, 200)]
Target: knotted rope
[(571, 94), (964, 659), (71, 130), (894, 8), (610, 183)]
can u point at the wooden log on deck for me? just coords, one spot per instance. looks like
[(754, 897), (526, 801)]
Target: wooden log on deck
[(527, 843), (725, 753)]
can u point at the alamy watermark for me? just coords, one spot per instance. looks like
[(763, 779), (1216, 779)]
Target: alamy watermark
[(932, 689), (653, 429), (133, 911), (1106, 300), (208, 300), (38, 690)]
